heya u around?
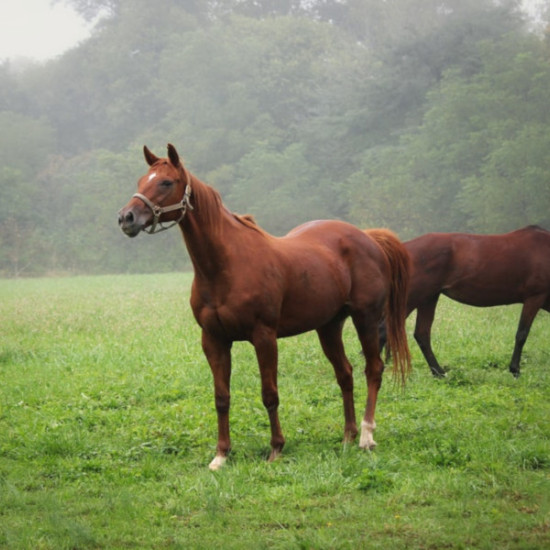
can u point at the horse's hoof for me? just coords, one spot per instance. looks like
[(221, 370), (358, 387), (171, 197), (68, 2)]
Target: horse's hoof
[(349, 437), (369, 446), (367, 441), (274, 455), (441, 373), (217, 463)]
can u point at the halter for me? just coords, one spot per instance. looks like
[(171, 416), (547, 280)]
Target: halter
[(158, 211)]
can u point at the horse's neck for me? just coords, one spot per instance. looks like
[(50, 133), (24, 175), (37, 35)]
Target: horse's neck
[(206, 230)]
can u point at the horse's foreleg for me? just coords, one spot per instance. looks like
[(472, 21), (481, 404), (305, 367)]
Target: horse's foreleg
[(218, 354), (368, 336), (265, 343), (529, 311), (422, 334), (330, 337)]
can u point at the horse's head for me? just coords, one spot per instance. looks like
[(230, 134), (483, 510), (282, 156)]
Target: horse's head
[(163, 196)]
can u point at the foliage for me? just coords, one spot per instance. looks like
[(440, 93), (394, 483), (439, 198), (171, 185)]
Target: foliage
[(489, 173), (380, 113), (107, 425)]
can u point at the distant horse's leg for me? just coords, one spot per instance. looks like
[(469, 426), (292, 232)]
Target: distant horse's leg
[(382, 335), (422, 334), (218, 355), (367, 330), (529, 311), (383, 339), (265, 343), (330, 337)]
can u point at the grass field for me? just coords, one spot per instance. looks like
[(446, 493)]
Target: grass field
[(107, 425)]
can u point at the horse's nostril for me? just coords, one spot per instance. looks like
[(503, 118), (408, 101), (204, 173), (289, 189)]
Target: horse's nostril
[(125, 219)]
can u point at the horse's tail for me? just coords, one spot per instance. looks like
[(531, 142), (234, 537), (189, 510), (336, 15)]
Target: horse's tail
[(396, 305)]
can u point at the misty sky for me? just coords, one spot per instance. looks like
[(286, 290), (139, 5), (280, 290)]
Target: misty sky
[(42, 29), (38, 29)]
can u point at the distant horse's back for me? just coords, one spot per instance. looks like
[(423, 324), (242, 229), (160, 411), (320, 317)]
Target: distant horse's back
[(494, 270)]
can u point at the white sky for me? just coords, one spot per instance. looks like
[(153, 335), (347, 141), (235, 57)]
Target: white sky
[(38, 29)]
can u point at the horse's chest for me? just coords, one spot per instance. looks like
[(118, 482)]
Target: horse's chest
[(232, 319)]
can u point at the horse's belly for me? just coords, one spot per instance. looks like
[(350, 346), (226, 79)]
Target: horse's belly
[(484, 296), (288, 328), (308, 307)]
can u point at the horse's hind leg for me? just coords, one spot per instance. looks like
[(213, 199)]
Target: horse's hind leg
[(529, 311), (330, 337), (367, 331), (422, 334), (218, 355)]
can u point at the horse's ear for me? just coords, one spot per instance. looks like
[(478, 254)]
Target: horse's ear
[(173, 155), (149, 157)]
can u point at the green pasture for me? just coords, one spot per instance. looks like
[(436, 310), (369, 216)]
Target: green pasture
[(107, 426)]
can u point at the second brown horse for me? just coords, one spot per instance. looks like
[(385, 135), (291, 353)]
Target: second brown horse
[(479, 270), (252, 286)]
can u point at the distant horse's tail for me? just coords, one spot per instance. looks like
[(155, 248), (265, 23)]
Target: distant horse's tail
[(396, 305)]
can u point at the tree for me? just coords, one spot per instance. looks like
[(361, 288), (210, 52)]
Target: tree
[(84, 196), (478, 160), (25, 144), (406, 113), (281, 189)]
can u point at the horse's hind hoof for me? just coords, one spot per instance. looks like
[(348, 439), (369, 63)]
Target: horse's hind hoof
[(366, 440), (439, 373), (274, 455), (369, 445), (217, 463)]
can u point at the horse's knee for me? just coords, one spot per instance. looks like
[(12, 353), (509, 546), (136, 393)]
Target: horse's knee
[(270, 399), (421, 337), (222, 403), (345, 380), (374, 371)]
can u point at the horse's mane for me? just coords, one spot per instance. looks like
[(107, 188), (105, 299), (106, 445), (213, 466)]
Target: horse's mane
[(535, 227), (210, 205), (249, 221)]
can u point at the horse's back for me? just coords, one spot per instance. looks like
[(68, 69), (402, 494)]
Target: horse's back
[(482, 270), (345, 241)]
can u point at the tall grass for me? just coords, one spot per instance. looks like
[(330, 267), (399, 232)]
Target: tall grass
[(107, 425)]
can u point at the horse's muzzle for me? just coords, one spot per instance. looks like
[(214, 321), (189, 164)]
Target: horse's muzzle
[(128, 222)]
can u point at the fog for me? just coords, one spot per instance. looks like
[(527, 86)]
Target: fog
[(394, 114)]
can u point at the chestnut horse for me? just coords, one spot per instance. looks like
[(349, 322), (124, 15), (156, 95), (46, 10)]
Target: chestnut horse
[(479, 270), (251, 286)]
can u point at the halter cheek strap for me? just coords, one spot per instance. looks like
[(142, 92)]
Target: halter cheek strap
[(158, 211)]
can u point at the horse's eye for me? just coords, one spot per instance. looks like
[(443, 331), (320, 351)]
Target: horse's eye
[(166, 183)]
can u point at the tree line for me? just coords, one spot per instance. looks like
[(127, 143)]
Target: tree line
[(416, 115)]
